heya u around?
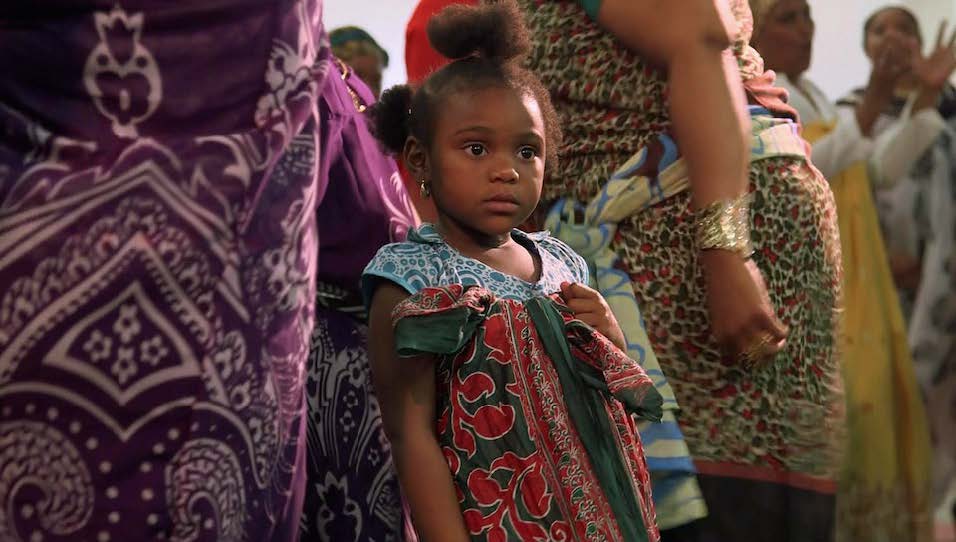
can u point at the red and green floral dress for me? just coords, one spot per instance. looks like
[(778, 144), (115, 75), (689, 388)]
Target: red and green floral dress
[(535, 408)]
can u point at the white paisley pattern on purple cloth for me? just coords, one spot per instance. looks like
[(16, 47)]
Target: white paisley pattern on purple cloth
[(352, 493), (158, 252)]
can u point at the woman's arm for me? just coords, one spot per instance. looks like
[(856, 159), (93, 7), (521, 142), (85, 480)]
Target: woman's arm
[(691, 39), (889, 63), (935, 69), (843, 147), (897, 149), (406, 392)]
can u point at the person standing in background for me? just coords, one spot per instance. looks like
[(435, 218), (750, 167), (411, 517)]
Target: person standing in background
[(352, 493), (884, 493), (362, 53), (917, 211), (642, 100)]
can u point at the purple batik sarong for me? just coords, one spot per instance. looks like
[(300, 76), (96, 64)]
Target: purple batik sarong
[(352, 494), (158, 253)]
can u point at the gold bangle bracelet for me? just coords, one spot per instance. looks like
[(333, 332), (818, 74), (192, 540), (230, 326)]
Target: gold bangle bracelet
[(725, 225)]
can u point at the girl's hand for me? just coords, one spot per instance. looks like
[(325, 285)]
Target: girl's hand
[(590, 307), (741, 316)]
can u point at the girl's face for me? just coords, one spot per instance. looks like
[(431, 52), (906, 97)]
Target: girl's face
[(892, 28), (785, 40), (486, 161)]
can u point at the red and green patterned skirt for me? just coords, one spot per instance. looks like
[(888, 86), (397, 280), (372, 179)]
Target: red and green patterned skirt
[(535, 417)]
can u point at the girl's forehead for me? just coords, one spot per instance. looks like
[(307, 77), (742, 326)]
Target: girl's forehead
[(495, 102), (493, 93)]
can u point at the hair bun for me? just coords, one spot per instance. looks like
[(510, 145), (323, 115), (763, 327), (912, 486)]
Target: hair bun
[(390, 116), (491, 30)]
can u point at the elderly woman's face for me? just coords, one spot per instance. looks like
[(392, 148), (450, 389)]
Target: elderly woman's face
[(785, 37)]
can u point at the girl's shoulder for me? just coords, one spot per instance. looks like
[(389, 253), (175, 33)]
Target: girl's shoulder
[(412, 264)]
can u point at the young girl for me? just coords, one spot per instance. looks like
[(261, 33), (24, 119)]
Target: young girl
[(504, 391)]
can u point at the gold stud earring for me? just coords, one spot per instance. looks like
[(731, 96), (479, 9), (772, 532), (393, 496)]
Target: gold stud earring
[(423, 189)]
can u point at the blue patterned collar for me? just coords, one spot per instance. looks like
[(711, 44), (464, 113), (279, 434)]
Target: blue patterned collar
[(427, 233)]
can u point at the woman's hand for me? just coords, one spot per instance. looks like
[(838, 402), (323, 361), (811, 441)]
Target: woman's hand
[(891, 61), (590, 307), (935, 69), (906, 270), (741, 316)]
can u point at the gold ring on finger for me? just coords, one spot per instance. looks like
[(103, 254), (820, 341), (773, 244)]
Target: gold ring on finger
[(758, 350)]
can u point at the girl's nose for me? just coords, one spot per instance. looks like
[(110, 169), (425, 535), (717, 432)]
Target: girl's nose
[(505, 174)]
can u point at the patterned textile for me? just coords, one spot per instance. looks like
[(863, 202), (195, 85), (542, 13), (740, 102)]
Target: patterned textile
[(427, 260), (610, 102), (780, 424), (918, 218), (933, 335), (352, 494), (654, 174), (157, 253), (885, 484), (534, 417)]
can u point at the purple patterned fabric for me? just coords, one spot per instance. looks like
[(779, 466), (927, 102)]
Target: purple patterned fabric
[(365, 206), (158, 186), (352, 494)]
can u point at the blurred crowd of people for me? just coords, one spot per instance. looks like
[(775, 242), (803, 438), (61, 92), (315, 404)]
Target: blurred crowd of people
[(887, 151)]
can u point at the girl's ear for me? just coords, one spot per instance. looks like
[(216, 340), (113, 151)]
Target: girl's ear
[(415, 156)]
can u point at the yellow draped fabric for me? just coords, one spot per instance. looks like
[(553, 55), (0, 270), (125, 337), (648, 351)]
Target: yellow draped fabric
[(884, 490)]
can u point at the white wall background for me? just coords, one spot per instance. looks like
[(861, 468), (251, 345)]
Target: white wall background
[(838, 60)]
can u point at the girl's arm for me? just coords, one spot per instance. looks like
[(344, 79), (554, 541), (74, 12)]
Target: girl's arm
[(406, 392)]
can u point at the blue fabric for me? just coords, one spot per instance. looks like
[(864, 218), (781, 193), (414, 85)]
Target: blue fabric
[(425, 259)]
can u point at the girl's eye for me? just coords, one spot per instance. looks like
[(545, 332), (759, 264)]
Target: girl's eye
[(476, 149), (527, 153)]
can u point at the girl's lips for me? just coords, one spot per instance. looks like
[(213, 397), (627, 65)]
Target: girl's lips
[(501, 203), (503, 198)]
